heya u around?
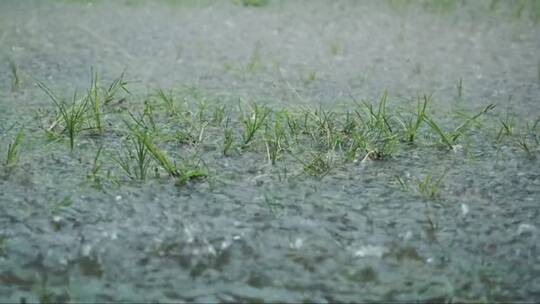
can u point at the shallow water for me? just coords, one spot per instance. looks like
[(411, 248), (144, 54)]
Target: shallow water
[(252, 232)]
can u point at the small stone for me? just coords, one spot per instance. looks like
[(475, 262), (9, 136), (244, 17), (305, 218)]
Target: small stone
[(85, 250), (525, 228), (298, 243), (464, 209), (408, 235), (457, 148), (370, 251)]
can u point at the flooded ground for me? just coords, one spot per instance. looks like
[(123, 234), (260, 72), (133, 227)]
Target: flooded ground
[(451, 217)]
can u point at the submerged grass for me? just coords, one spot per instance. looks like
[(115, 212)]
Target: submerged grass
[(429, 187)]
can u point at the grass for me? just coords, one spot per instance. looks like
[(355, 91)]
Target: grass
[(450, 138), (117, 85), (506, 127), (254, 3), (310, 77), (191, 172), (253, 122), (158, 155), (318, 165), (72, 116), (15, 77), (168, 101), (272, 204), (134, 151), (95, 103), (459, 87), (412, 124), (336, 47), (538, 71), (228, 139), (13, 150), (145, 150), (157, 131), (3, 244), (529, 140), (255, 59), (96, 166), (275, 140), (429, 187)]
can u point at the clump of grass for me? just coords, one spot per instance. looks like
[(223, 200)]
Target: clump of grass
[(412, 124), (12, 153), (324, 130), (218, 115), (529, 141), (429, 186), (228, 139), (377, 136), (15, 77), (506, 127), (459, 88), (449, 139), (255, 59), (320, 164), (72, 115), (538, 71), (191, 172), (94, 173), (253, 121), (134, 151), (159, 156), (378, 118), (275, 139), (440, 6), (336, 47), (3, 244), (95, 103), (145, 148), (118, 84), (381, 148), (310, 77), (254, 3), (167, 100), (272, 203)]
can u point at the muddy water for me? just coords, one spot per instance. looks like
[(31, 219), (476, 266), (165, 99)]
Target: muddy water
[(252, 232)]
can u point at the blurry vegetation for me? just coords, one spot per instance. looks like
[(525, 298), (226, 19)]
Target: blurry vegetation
[(15, 77), (514, 8), (13, 149), (256, 3)]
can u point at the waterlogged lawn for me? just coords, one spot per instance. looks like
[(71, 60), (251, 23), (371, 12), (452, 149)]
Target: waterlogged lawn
[(182, 151)]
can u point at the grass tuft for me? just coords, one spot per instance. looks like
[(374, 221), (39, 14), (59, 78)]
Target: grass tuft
[(72, 115), (12, 153), (429, 186), (15, 77), (253, 121), (448, 139), (411, 125)]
